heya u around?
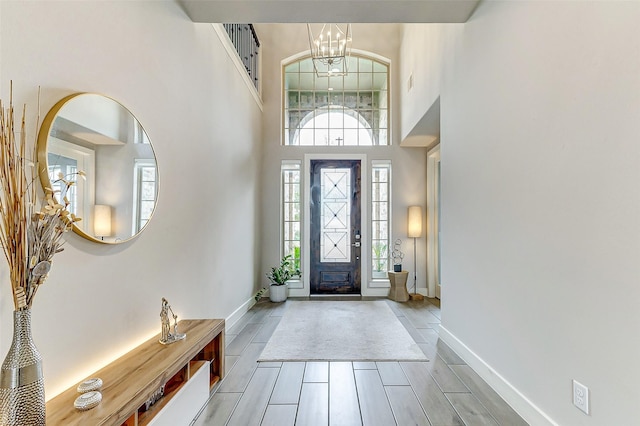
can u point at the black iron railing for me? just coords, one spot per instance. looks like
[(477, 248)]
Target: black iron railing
[(245, 40)]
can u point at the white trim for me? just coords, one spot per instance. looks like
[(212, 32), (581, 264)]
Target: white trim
[(85, 188), (364, 217), (137, 164), (233, 55), (297, 283), (235, 316), (377, 292), (382, 282), (531, 413), (379, 283), (357, 52), (299, 291), (433, 157)]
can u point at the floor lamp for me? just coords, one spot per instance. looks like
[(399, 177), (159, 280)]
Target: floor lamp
[(102, 221), (414, 230)]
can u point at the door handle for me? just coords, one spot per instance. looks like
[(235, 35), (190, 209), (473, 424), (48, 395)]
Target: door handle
[(357, 244)]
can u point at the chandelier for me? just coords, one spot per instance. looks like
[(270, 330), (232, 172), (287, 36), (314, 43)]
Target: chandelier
[(330, 50)]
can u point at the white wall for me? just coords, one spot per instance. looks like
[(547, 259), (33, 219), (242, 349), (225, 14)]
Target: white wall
[(540, 204), (408, 164), (201, 248), (426, 68)]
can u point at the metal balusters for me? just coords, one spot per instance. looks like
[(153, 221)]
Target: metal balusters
[(245, 40)]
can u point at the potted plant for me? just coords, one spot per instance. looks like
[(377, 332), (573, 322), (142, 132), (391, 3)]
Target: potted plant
[(279, 275)]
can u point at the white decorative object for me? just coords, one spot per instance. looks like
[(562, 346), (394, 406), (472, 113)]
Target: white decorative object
[(278, 293), (90, 385), (88, 400), (166, 336), (397, 255)]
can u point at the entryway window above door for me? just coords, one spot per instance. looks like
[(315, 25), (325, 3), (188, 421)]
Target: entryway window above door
[(349, 110)]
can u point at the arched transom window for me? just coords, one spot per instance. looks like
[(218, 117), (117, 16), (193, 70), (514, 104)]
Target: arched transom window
[(347, 110)]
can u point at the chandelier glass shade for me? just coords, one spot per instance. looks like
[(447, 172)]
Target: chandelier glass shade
[(330, 49)]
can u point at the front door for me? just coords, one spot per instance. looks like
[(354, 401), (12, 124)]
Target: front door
[(335, 237)]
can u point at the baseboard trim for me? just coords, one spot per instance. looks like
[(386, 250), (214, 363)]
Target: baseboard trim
[(298, 292), (375, 292), (520, 403), (238, 313)]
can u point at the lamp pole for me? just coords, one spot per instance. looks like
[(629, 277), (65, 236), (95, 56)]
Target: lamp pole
[(415, 274)]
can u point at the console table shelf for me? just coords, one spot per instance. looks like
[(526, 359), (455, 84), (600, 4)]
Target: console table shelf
[(129, 381)]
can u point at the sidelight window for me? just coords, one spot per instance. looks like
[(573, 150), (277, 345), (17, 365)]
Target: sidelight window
[(291, 206), (380, 217), (145, 192)]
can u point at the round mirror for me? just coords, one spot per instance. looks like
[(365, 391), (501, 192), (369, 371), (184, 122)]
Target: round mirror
[(96, 135)]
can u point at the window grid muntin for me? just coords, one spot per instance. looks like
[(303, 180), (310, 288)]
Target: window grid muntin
[(370, 103), (146, 192), (380, 218)]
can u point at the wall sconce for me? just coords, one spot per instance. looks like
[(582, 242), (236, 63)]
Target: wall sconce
[(102, 221), (414, 230)]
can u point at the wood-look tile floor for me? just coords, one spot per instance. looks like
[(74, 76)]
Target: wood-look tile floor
[(442, 391)]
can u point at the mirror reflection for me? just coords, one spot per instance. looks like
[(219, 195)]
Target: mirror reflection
[(97, 135)]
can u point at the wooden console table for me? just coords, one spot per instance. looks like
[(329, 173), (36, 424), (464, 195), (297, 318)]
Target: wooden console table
[(129, 381)]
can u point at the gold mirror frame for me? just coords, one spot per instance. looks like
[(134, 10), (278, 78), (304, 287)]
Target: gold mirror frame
[(43, 148)]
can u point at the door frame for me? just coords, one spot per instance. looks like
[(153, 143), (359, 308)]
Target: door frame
[(364, 220), (433, 227), (353, 267)]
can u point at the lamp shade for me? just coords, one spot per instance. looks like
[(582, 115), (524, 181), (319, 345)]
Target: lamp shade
[(414, 222), (102, 220)]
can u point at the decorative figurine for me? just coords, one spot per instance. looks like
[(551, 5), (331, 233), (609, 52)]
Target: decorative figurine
[(397, 256), (167, 336)]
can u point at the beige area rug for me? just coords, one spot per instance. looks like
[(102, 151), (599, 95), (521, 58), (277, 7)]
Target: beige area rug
[(340, 331)]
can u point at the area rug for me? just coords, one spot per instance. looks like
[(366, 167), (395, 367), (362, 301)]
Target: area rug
[(340, 331)]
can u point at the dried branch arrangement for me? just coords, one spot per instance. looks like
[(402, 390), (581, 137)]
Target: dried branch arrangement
[(29, 236)]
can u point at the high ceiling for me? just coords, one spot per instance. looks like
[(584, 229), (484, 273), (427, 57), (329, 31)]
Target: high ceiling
[(267, 14), (297, 11)]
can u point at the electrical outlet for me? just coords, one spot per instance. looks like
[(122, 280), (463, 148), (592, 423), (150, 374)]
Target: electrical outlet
[(581, 396)]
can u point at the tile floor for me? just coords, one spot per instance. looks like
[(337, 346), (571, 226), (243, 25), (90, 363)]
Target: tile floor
[(443, 391)]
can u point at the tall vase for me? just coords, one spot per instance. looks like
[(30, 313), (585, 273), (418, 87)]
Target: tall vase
[(21, 380)]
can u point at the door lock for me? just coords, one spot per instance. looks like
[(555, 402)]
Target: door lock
[(356, 244)]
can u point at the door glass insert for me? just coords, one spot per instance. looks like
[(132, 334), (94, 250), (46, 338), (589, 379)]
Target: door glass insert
[(335, 241)]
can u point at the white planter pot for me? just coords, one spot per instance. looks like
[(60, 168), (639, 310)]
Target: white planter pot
[(278, 293)]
